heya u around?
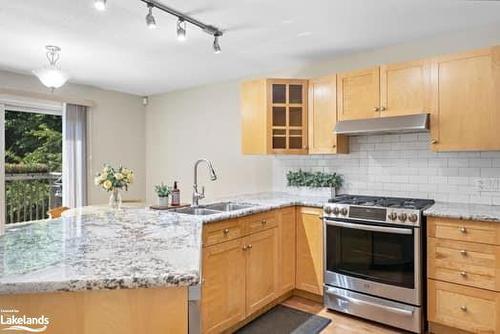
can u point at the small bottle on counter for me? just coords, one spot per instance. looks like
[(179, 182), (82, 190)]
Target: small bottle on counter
[(176, 195)]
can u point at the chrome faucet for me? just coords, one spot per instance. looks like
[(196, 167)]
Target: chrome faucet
[(197, 195)]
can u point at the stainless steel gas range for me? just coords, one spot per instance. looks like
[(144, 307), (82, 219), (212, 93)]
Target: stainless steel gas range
[(374, 259)]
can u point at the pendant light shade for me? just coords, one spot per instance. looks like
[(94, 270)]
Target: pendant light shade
[(51, 75)]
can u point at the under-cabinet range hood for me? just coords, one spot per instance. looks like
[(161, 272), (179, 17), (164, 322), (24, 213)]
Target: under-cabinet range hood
[(395, 124)]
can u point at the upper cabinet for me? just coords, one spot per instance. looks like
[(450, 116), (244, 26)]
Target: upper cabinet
[(388, 90), (274, 116), (466, 101), (322, 114), (358, 94)]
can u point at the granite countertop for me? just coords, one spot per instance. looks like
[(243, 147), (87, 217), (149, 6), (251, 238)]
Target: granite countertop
[(99, 248), (480, 212)]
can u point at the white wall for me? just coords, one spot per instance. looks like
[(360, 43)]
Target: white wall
[(198, 123), (116, 129), (205, 121)]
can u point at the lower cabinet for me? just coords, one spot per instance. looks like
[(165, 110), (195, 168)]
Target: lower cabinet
[(286, 249), (223, 291), (309, 272)]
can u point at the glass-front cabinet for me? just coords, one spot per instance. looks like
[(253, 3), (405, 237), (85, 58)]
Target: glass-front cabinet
[(274, 116), (288, 114)]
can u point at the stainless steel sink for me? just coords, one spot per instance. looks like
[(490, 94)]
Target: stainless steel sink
[(229, 206), (196, 211)]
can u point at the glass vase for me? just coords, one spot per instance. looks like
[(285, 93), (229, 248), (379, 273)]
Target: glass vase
[(115, 200)]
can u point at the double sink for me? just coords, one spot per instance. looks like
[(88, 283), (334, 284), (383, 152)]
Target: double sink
[(213, 208)]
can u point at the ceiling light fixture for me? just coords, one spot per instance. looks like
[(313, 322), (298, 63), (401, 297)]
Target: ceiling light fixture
[(216, 44), (100, 5), (51, 75), (181, 30), (150, 19), (182, 20)]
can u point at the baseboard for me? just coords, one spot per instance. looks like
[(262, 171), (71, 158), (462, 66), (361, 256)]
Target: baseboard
[(442, 329), (308, 295)]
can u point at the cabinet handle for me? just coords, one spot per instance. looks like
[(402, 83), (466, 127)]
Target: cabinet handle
[(463, 274), (434, 141), (333, 146), (382, 109), (463, 252), (244, 248), (226, 231), (249, 246), (376, 109), (463, 308), (264, 222), (463, 229)]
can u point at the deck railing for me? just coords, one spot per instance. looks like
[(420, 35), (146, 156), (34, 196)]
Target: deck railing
[(30, 196)]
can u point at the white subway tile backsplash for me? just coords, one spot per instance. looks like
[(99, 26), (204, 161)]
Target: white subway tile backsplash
[(404, 165)]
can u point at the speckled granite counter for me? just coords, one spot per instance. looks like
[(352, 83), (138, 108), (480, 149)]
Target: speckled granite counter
[(98, 248), (465, 211)]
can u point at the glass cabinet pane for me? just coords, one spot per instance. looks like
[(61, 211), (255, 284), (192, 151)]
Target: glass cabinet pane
[(279, 93), (295, 142), (279, 139), (295, 116), (279, 116), (295, 94)]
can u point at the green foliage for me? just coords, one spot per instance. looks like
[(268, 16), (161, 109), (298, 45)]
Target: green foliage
[(162, 190), (32, 138), (301, 178)]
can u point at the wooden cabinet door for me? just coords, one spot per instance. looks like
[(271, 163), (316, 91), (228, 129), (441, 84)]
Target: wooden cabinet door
[(358, 94), (286, 239), (309, 273), (405, 89), (322, 114), (466, 100), (223, 289), (287, 116), (261, 269)]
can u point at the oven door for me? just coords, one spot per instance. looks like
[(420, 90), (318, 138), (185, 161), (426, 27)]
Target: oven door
[(378, 260)]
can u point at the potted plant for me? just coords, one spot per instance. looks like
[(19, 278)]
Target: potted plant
[(163, 192), (113, 180), (315, 180)]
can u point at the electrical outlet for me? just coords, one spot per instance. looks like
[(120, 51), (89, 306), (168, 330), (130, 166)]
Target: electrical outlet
[(488, 184)]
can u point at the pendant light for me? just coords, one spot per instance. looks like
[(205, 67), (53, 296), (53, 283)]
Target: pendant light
[(51, 75)]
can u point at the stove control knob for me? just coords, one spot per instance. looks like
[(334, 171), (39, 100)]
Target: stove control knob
[(328, 210), (402, 217), (336, 211), (343, 211), (413, 218), (392, 216)]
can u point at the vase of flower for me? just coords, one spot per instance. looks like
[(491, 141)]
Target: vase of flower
[(113, 180), (115, 200), (162, 191)]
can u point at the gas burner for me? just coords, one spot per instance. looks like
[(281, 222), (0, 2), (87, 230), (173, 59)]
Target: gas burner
[(385, 202)]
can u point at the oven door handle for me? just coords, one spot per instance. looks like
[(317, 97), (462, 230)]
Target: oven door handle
[(384, 307), (373, 228)]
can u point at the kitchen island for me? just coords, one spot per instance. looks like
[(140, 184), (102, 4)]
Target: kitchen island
[(98, 270)]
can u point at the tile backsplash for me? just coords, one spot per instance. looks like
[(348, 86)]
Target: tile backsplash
[(403, 165)]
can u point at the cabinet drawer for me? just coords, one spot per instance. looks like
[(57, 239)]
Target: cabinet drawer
[(464, 230), (260, 222), (222, 231), (465, 308), (465, 263)]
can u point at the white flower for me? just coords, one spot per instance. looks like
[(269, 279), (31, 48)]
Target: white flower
[(97, 180), (107, 184), (130, 178), (118, 176), (126, 171)]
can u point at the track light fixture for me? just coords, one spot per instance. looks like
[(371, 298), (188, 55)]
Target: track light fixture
[(100, 5), (181, 30), (182, 20), (150, 19), (216, 44)]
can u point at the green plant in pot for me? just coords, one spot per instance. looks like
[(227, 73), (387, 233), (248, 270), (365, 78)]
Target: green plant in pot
[(163, 191), (302, 178)]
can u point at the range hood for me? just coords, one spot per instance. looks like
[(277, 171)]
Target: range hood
[(382, 125)]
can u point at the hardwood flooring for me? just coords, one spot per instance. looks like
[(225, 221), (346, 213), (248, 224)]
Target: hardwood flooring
[(341, 323)]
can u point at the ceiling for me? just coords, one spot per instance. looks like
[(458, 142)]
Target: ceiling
[(115, 50)]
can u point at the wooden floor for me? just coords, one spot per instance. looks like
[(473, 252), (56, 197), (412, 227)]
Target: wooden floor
[(341, 323)]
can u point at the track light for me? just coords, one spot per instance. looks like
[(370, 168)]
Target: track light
[(216, 44), (181, 30), (100, 5), (150, 19)]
